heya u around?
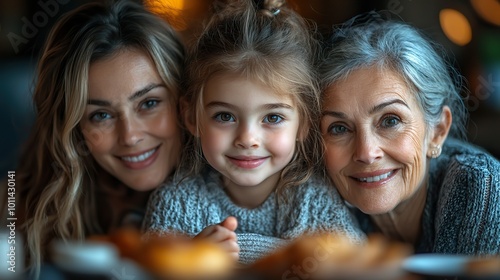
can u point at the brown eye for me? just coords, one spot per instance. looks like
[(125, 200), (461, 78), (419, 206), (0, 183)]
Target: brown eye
[(273, 119), (224, 117)]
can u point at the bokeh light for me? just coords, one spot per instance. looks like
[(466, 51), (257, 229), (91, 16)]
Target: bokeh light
[(170, 10), (489, 10), (455, 26)]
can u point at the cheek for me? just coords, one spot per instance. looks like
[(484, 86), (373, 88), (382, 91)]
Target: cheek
[(214, 141), (283, 144), (166, 125), (98, 140), (335, 160), (411, 155)]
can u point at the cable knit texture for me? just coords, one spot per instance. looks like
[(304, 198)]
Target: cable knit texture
[(462, 208), (195, 203)]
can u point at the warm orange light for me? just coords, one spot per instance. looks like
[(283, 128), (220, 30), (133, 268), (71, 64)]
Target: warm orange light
[(170, 10), (489, 10), (455, 26)]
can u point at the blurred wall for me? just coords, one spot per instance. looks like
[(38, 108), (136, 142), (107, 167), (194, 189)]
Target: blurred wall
[(24, 24)]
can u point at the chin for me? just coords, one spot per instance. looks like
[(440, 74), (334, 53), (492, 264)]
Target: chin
[(145, 184), (371, 209)]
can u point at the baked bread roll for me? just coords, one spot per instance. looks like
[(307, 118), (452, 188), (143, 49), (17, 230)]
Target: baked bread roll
[(171, 257), (333, 256)]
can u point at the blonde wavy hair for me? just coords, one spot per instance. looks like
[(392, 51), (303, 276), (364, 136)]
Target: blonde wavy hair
[(56, 173), (268, 42)]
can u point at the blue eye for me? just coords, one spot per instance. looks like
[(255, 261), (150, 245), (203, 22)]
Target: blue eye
[(99, 117), (337, 129), (390, 121), (224, 117), (148, 104), (274, 119)]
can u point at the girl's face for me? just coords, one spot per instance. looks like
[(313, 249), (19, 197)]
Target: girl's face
[(130, 121), (247, 133), (375, 138)]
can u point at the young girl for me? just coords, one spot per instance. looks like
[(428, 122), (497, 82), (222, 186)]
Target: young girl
[(252, 108)]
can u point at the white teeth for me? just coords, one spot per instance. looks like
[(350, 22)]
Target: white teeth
[(139, 157), (375, 178)]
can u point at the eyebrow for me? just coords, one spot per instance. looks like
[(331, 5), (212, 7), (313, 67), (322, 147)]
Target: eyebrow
[(266, 106), (375, 109), (385, 104), (334, 114), (133, 97)]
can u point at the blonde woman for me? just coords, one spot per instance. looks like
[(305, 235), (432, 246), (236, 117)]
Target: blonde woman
[(106, 131)]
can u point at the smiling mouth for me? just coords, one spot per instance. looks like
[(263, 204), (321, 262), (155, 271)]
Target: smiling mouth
[(247, 162), (141, 157), (375, 178)]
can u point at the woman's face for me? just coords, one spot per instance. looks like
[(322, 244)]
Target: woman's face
[(130, 121), (375, 138)]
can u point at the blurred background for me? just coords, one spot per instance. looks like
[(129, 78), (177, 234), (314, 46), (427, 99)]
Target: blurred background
[(469, 30)]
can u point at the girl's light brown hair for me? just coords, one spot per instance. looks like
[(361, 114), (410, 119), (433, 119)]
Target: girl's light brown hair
[(267, 42)]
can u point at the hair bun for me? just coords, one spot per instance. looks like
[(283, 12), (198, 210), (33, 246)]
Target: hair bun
[(270, 8)]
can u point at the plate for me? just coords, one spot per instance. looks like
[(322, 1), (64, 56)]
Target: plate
[(437, 264)]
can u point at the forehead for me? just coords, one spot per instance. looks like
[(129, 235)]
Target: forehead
[(242, 85), (368, 85), (121, 74)]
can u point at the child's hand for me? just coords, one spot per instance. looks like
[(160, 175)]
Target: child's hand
[(224, 235)]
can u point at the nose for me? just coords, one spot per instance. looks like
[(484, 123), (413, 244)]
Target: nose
[(130, 130), (247, 137), (367, 148)]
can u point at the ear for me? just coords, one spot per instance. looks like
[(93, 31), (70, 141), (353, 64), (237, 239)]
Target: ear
[(439, 133), (188, 117)]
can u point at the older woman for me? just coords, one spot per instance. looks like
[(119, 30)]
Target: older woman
[(392, 118)]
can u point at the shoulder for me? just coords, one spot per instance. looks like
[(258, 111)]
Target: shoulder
[(466, 181), (184, 204), (316, 194), (316, 188), (464, 173), (465, 176), (463, 162), (317, 206), (184, 185)]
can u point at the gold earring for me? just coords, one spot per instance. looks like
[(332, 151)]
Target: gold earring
[(436, 151)]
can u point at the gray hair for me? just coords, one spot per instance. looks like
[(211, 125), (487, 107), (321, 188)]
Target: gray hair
[(394, 45)]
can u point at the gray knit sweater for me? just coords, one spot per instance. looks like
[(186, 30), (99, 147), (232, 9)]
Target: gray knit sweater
[(462, 208), (195, 203)]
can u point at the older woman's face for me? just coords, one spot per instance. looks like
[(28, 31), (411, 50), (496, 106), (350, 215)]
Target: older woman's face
[(375, 139), (130, 121)]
